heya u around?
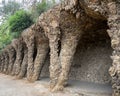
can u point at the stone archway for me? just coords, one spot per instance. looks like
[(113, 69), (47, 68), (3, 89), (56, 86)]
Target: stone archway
[(92, 58)]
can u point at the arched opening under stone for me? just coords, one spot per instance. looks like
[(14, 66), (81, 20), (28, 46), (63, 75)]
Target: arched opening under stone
[(91, 63)]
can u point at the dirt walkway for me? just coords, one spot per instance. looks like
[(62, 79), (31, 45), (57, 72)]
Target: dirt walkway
[(11, 87)]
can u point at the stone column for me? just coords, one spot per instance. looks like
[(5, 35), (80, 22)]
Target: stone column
[(12, 57), (42, 46), (19, 57), (42, 50), (114, 33), (54, 57), (50, 23), (2, 62), (31, 46), (6, 63), (15, 46), (24, 64), (68, 48)]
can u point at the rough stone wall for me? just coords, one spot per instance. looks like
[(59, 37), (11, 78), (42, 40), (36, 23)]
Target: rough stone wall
[(92, 58), (114, 31)]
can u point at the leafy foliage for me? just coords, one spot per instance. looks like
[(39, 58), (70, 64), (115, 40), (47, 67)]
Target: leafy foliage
[(5, 37), (20, 21)]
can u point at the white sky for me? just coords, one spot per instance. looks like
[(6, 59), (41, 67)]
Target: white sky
[(17, 0)]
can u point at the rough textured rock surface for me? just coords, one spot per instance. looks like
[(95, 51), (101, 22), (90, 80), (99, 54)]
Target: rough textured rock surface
[(114, 31)]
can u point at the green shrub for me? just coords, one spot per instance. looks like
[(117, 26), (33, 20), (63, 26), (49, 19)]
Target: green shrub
[(20, 21), (39, 8), (5, 36)]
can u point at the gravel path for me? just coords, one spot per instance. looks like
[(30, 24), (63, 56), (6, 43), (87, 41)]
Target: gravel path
[(11, 87)]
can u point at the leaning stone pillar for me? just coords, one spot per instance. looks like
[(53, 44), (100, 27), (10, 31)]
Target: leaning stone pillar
[(54, 58), (24, 65), (19, 57), (29, 39), (2, 61), (51, 27), (15, 45), (12, 57), (114, 33), (6, 63)]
